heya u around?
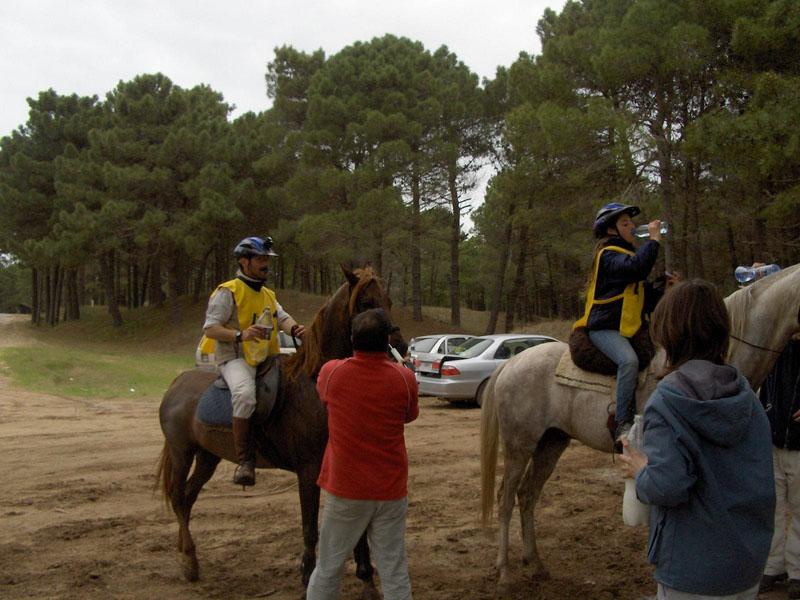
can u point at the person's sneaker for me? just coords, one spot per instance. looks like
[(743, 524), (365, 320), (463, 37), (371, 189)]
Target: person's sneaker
[(794, 588), (768, 582)]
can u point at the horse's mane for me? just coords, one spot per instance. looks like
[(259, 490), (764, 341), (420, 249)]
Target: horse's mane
[(740, 303), (308, 359)]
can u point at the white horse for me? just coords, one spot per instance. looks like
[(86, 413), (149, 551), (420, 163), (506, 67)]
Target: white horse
[(537, 417)]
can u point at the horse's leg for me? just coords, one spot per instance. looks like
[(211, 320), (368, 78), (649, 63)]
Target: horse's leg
[(181, 464), (364, 570), (515, 462), (204, 466), (545, 458), (309, 511)]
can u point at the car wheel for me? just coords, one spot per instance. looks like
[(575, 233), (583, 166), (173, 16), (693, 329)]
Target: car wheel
[(479, 393)]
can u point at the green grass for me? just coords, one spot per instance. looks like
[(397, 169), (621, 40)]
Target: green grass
[(93, 373), (92, 358)]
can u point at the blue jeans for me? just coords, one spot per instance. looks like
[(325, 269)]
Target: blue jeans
[(618, 348)]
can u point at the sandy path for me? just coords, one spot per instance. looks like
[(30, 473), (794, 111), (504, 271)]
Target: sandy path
[(79, 519)]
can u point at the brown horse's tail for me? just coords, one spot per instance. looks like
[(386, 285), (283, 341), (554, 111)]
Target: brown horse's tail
[(163, 480), (489, 443)]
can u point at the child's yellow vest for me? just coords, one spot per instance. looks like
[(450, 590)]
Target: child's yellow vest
[(632, 299)]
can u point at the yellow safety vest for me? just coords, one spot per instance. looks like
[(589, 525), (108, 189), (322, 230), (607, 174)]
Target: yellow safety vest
[(632, 299), (252, 307)]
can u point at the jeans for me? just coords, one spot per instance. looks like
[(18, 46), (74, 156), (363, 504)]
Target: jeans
[(665, 593), (343, 522), (618, 348), (784, 555)]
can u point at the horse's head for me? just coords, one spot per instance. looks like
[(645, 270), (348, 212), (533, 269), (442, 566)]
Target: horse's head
[(365, 292)]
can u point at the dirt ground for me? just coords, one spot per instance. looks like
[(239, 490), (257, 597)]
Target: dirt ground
[(79, 518)]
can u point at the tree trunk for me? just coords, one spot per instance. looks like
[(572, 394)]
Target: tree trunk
[(515, 295), (35, 296), (499, 278), (156, 292), (416, 238), (455, 240), (107, 278)]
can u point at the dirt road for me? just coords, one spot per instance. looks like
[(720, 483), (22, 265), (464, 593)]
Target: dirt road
[(79, 518)]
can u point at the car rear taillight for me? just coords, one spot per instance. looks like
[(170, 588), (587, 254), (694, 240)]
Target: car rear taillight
[(417, 362), (449, 371)]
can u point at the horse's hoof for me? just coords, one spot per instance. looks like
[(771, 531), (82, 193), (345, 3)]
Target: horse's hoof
[(537, 568), (504, 589), (370, 592), (191, 571)]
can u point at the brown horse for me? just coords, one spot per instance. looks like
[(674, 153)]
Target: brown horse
[(294, 439)]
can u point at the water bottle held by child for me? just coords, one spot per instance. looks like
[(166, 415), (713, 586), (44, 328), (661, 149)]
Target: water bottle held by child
[(634, 512), (748, 274), (642, 231)]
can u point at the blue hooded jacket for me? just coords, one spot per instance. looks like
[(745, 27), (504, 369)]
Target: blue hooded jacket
[(709, 479)]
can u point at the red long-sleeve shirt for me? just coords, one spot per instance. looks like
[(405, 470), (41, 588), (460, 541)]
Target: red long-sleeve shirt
[(369, 401)]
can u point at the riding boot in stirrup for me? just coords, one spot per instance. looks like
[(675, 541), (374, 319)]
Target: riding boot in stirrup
[(245, 473)]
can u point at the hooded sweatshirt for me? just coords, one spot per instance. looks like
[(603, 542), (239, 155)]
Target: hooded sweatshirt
[(709, 480)]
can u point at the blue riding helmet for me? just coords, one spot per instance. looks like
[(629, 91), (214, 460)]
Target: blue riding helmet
[(608, 215), (254, 246)]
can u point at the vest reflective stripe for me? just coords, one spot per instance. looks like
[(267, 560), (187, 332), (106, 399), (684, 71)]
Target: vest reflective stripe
[(632, 299), (252, 307)]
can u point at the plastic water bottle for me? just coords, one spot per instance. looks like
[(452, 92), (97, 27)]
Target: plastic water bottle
[(642, 231), (748, 274), (634, 512)]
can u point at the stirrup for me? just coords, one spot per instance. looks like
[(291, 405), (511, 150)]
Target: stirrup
[(245, 474)]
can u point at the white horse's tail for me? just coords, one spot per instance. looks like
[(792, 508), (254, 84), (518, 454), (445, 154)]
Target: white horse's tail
[(489, 443)]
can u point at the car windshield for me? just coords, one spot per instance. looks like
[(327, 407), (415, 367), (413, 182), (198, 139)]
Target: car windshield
[(472, 347), (423, 345)]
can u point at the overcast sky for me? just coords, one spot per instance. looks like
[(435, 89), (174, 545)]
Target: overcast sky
[(88, 46)]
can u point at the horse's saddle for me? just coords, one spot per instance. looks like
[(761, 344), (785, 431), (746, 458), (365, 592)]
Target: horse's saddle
[(569, 374), (215, 406), (586, 355)]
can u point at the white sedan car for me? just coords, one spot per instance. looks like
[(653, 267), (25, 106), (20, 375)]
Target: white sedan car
[(461, 375)]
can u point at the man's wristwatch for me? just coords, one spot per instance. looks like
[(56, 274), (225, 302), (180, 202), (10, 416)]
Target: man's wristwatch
[(238, 337)]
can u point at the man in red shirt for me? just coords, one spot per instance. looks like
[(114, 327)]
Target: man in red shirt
[(365, 467)]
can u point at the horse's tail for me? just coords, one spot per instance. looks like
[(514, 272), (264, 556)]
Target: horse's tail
[(489, 442), (163, 480)]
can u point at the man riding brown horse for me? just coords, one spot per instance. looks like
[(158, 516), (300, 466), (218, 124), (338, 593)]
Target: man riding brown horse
[(240, 329)]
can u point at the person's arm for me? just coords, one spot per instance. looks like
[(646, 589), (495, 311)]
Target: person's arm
[(219, 313), (630, 268), (668, 475), (287, 324), (413, 404)]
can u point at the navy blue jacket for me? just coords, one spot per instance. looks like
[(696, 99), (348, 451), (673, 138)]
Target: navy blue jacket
[(709, 479), (780, 395), (616, 272)]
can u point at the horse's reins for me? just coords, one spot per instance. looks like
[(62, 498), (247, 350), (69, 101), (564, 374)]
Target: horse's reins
[(755, 345)]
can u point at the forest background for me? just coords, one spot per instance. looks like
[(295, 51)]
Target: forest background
[(687, 108)]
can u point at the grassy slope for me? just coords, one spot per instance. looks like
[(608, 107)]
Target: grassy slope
[(91, 358)]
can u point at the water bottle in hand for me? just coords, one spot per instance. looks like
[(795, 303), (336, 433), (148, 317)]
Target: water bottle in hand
[(642, 231), (634, 512), (748, 274)]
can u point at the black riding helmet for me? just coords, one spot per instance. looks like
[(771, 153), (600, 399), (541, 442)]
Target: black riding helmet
[(607, 216), (254, 246)]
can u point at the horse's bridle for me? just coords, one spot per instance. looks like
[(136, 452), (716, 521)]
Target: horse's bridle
[(755, 345)]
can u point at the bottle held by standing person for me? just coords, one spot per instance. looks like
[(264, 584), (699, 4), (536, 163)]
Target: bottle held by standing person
[(634, 512), (643, 231), (754, 273)]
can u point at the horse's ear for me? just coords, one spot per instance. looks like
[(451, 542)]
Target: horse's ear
[(351, 277)]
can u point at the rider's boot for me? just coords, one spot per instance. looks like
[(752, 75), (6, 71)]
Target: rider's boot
[(245, 473)]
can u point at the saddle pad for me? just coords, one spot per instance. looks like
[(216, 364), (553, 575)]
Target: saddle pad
[(215, 407), (570, 375)]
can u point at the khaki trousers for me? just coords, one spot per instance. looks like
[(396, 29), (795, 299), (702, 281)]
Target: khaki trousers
[(784, 554)]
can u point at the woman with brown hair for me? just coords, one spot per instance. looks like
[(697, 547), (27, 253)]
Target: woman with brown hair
[(706, 465)]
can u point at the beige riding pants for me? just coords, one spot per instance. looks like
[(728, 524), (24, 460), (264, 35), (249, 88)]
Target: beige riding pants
[(784, 555), (241, 379)]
